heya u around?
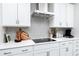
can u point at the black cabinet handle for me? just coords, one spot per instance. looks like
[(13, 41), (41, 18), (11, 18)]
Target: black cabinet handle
[(24, 50), (7, 53), (48, 53), (67, 49)]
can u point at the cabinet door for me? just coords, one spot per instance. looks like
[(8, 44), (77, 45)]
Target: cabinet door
[(76, 48), (40, 54), (9, 14), (60, 15), (66, 49), (24, 14), (76, 52), (54, 51), (41, 50), (70, 15)]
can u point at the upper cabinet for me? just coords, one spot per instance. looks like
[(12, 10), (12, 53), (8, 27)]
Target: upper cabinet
[(16, 15), (63, 15), (24, 14), (70, 15), (9, 14), (60, 15)]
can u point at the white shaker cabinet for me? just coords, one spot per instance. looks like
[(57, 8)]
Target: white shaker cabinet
[(59, 19), (66, 48), (70, 15), (24, 14), (76, 48), (22, 51), (9, 14), (50, 49), (63, 15), (41, 50), (16, 14), (54, 49)]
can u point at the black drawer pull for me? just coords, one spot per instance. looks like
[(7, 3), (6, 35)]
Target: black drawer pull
[(7, 53), (67, 49), (25, 50), (63, 44)]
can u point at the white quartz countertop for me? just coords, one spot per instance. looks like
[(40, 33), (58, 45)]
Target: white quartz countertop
[(19, 44), (64, 39), (31, 42)]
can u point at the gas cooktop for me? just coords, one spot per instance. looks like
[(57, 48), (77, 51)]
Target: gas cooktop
[(43, 40)]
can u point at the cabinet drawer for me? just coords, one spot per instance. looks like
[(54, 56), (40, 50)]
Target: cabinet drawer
[(23, 49), (76, 54), (66, 43), (14, 51), (77, 42), (76, 50), (77, 46), (54, 45), (7, 52), (40, 47), (63, 43)]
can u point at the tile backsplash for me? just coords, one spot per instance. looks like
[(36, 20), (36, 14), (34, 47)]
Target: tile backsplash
[(39, 28)]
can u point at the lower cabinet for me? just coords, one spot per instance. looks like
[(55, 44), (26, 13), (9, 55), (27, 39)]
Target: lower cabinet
[(50, 49), (76, 48), (66, 48), (65, 51), (27, 50), (41, 50), (76, 52), (54, 51)]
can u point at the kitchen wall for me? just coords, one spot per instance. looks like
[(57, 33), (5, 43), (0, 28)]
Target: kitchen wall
[(39, 26)]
